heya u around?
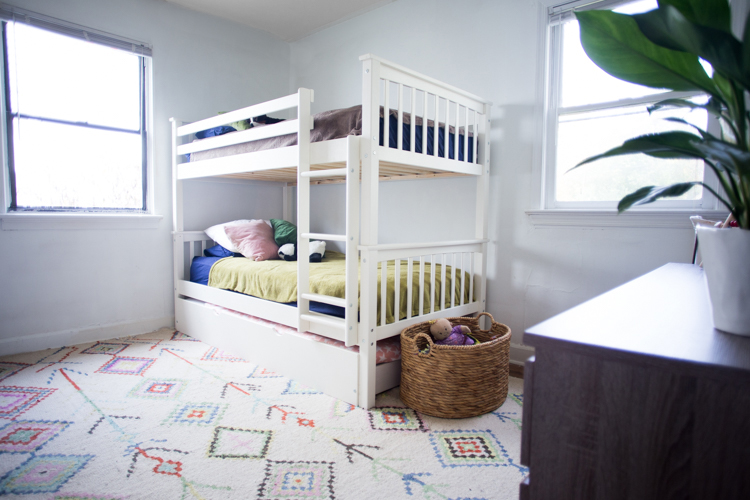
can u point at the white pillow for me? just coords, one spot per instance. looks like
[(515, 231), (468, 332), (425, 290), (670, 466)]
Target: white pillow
[(217, 233)]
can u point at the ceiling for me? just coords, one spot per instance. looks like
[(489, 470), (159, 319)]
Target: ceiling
[(288, 20)]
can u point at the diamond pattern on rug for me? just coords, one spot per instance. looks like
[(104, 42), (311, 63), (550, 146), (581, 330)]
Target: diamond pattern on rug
[(297, 480), (468, 448), (342, 409), (294, 387), (196, 414), (183, 337), (121, 365), (231, 442), (8, 369), (43, 474), (105, 348), (16, 400), (28, 435), (163, 388), (216, 354), (391, 418)]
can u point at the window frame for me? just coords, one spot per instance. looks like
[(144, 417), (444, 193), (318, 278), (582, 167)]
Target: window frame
[(12, 218), (553, 14)]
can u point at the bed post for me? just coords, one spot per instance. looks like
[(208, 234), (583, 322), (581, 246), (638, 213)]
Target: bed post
[(483, 182), (304, 98), (369, 227), (177, 221)]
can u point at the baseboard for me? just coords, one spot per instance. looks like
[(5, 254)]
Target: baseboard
[(51, 340), (520, 353)]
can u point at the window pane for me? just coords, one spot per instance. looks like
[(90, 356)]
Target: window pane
[(74, 167), (583, 82), (582, 135), (54, 76)]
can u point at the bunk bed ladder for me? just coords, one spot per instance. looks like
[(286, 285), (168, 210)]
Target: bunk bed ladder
[(345, 328)]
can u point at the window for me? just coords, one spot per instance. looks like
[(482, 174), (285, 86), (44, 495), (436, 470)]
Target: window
[(76, 115), (589, 112)]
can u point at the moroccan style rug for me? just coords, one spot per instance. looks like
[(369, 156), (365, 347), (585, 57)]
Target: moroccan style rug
[(165, 416)]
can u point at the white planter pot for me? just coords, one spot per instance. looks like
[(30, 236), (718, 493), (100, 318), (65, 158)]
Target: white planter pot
[(726, 260)]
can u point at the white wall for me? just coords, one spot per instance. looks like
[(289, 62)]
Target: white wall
[(63, 286), (489, 48)]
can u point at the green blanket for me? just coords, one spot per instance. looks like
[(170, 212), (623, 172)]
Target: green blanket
[(276, 280)]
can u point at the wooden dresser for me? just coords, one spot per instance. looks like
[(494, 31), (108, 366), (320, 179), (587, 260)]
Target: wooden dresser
[(634, 395)]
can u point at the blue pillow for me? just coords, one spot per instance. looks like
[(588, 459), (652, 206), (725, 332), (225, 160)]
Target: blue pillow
[(217, 251), (213, 132)]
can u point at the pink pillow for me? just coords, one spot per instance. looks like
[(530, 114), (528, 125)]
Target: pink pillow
[(254, 240)]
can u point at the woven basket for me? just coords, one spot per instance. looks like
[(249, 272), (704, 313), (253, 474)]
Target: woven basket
[(455, 381)]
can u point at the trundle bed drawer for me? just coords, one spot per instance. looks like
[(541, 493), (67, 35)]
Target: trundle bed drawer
[(323, 367)]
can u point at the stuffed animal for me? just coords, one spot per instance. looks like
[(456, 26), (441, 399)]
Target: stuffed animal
[(445, 334), (317, 251)]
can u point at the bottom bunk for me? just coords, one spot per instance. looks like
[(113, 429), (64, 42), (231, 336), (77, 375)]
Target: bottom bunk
[(323, 364)]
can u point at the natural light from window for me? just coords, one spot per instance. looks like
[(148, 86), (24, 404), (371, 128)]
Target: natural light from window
[(591, 121), (62, 80)]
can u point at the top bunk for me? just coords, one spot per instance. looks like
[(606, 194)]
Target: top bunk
[(411, 143)]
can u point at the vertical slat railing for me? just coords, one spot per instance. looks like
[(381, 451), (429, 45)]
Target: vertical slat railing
[(454, 262), (433, 273), (413, 121), (466, 135), (455, 133), (409, 284), (383, 290), (435, 130), (304, 118), (443, 269), (400, 121), (471, 277), (463, 279), (397, 291), (424, 124), (476, 137), (421, 285), (446, 134), (387, 115)]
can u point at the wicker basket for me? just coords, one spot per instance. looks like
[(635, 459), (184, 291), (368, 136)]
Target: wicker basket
[(455, 381)]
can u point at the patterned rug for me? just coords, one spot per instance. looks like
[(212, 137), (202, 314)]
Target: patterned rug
[(164, 416)]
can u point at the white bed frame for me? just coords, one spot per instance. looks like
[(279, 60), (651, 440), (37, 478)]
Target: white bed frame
[(361, 163)]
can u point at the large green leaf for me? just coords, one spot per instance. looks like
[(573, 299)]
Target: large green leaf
[(615, 43), (734, 159), (668, 28), (746, 46), (712, 106), (674, 145), (650, 194), (711, 13)]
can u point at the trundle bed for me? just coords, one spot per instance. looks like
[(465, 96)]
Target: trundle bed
[(423, 117)]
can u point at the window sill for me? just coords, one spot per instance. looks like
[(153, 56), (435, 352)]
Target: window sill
[(677, 219), (36, 221)]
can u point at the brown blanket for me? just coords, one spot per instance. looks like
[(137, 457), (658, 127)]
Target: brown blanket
[(328, 125)]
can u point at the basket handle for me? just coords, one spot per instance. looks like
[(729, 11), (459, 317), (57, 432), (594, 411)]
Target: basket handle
[(491, 319), (427, 352)]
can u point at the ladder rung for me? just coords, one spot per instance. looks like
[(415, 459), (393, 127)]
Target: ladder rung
[(324, 320), (333, 172), (326, 299), (324, 237)]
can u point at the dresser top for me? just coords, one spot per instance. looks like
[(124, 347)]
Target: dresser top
[(664, 315)]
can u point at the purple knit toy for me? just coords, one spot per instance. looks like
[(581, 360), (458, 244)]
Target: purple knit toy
[(456, 338)]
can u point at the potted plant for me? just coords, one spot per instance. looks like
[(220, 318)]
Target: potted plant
[(663, 48)]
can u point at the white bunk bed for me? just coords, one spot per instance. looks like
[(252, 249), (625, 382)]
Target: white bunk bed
[(361, 163)]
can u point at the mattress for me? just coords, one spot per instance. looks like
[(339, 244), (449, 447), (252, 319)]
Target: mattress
[(340, 123), (276, 280)]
